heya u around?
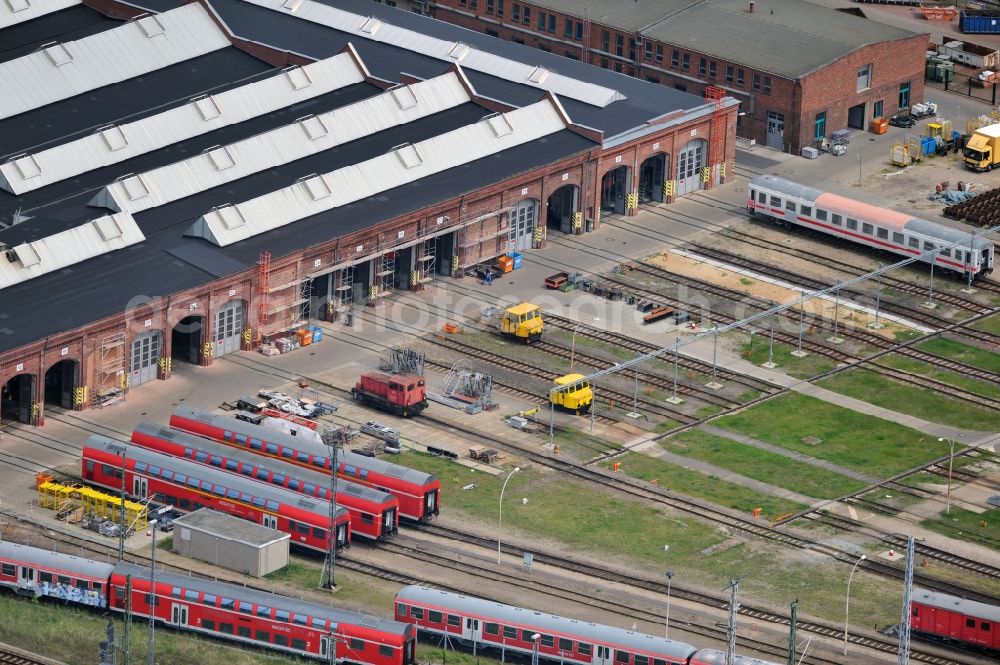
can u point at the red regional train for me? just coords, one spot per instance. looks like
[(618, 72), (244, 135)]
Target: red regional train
[(224, 611), (374, 514), (488, 624), (419, 493), (401, 394), (954, 619), (189, 486)]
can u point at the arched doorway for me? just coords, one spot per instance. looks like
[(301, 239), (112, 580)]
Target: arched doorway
[(145, 357), (186, 339), (652, 173), (16, 398), (60, 381), (690, 159), (229, 327), (561, 205), (523, 219), (615, 186)]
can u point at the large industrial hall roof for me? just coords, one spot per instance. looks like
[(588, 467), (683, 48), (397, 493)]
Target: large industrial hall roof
[(158, 157)]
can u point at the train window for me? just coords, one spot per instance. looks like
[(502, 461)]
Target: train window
[(298, 644), (321, 623), (914, 243), (8, 569), (762, 197), (292, 524), (434, 616), (141, 466), (641, 660), (232, 465), (984, 625), (287, 452), (281, 639), (194, 482), (565, 645), (166, 474), (64, 580), (357, 645), (510, 631), (219, 490), (176, 592), (349, 470), (209, 599), (852, 224), (775, 202), (837, 219), (246, 470), (226, 628), (790, 205), (303, 529), (319, 534), (245, 607), (821, 214), (302, 457), (320, 462), (215, 460), (897, 237), (417, 612), (264, 611), (233, 494), (200, 456), (293, 484), (256, 444), (272, 505), (191, 595), (659, 661), (491, 628), (107, 469), (245, 498), (243, 631), (367, 518), (454, 620), (970, 623), (227, 435), (282, 615), (262, 636), (806, 210), (300, 619), (152, 600), (98, 586), (866, 228), (583, 648), (240, 438), (928, 246), (46, 577), (258, 502), (882, 233), (271, 448), (548, 641), (946, 252), (179, 478), (526, 635), (363, 475), (279, 479), (207, 624), (621, 656), (262, 474), (385, 651)]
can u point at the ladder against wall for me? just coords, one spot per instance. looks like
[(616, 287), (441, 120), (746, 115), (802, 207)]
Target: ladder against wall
[(110, 377)]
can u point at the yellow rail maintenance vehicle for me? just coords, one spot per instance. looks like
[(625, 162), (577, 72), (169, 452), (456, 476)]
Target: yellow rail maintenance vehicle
[(576, 399), (523, 322)]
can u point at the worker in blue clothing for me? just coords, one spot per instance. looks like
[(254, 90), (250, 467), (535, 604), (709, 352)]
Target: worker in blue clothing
[(488, 277)]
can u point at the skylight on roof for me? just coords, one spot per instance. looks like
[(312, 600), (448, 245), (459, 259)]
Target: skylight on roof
[(221, 158), (231, 217), (313, 127), (108, 227), (408, 155), (316, 186), (18, 5), (499, 124), (458, 51), (150, 26), (114, 137), (207, 107), (27, 255), (291, 5), (135, 187), (404, 97), (298, 77), (371, 25), (27, 166), (57, 53), (538, 75)]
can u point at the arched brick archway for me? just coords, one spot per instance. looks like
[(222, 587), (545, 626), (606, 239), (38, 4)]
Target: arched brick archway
[(61, 381), (562, 208), (616, 185), (17, 398), (653, 172)]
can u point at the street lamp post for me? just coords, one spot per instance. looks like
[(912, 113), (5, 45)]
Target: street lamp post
[(572, 348), (951, 459), (847, 602), (500, 525), (151, 643), (666, 623)]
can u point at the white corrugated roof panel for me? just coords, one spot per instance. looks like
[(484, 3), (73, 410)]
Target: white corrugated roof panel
[(285, 144), (402, 165), (120, 142), (63, 249), (469, 57), (60, 71), (13, 12)]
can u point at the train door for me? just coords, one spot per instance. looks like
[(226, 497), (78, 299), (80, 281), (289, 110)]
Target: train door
[(270, 521), (389, 522), (140, 487), (26, 577), (471, 630), (179, 614), (324, 647), (602, 655), (430, 504)]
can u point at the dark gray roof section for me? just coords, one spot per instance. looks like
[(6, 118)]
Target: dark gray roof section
[(210, 447), (789, 38), (970, 608), (558, 626), (263, 599), (788, 187), (716, 657), (227, 527), (55, 560), (304, 445), (207, 474), (67, 25)]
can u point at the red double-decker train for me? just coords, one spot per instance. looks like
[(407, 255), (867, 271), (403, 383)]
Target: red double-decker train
[(189, 486), (374, 514), (419, 493)]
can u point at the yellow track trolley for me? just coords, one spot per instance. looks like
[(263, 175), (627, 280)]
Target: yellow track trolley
[(576, 399), (523, 322)]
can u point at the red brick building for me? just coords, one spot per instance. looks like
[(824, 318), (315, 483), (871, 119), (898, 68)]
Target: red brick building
[(800, 71), (264, 165)]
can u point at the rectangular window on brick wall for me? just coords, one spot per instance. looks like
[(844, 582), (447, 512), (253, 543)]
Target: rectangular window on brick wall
[(702, 66), (730, 74), (515, 12), (740, 77), (675, 58), (567, 28), (686, 61), (652, 79), (552, 23), (864, 78), (767, 85), (572, 55), (647, 47), (819, 126), (659, 54), (541, 21), (491, 6), (500, 8), (604, 63), (756, 82), (633, 45), (605, 41), (619, 45), (904, 95), (579, 31), (526, 16), (492, 33), (878, 108), (713, 69), (473, 4)]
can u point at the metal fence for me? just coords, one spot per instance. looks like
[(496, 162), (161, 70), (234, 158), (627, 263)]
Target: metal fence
[(966, 85)]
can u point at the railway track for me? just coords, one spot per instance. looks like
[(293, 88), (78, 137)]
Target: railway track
[(606, 574), (16, 658)]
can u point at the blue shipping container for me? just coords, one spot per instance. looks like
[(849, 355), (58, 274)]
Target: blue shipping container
[(979, 22)]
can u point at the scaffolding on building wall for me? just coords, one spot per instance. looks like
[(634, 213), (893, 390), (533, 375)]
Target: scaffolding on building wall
[(715, 173), (344, 290), (110, 377), (385, 273), (269, 307), (426, 264)]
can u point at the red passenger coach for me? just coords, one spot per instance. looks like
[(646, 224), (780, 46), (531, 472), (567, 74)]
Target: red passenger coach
[(955, 619), (402, 394), (418, 493), (189, 486), (374, 514)]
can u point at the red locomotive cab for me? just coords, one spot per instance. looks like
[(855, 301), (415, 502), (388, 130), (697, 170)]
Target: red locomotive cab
[(402, 394)]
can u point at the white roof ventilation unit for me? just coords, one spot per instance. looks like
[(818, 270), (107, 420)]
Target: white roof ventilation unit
[(291, 5), (150, 25), (538, 75), (458, 51), (230, 215), (371, 25), (408, 156), (25, 254), (298, 77)]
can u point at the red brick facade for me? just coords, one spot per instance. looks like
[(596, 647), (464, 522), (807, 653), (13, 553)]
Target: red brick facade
[(796, 101)]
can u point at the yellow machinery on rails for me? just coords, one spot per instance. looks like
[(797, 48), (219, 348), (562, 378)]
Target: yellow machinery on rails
[(575, 399), (522, 322)]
